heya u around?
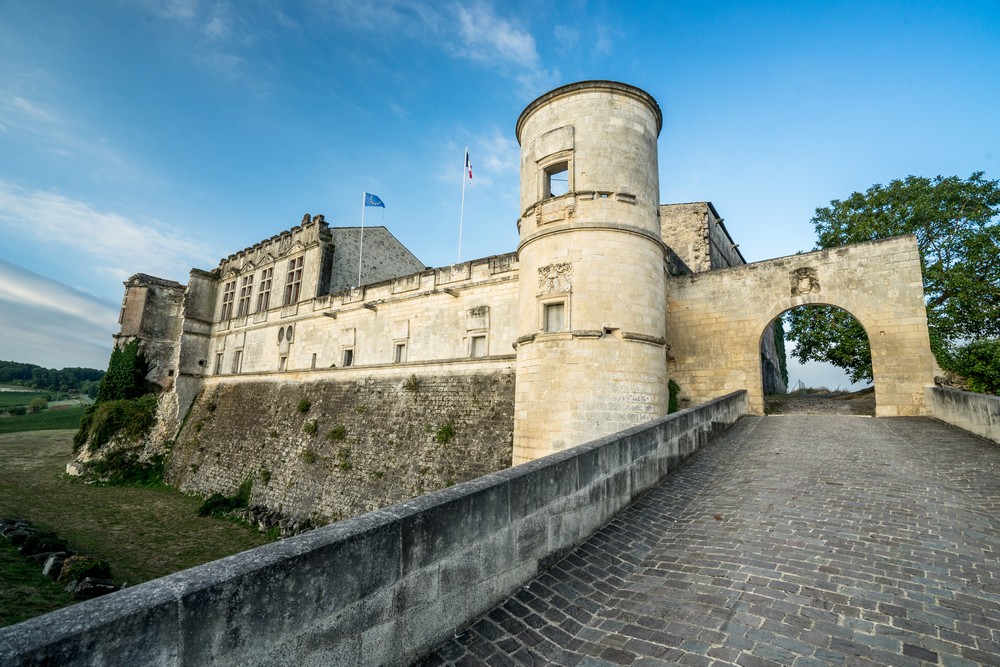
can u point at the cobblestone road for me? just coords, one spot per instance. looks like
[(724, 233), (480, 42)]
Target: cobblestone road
[(802, 540)]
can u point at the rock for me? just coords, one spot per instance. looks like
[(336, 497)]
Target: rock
[(53, 564), (92, 587)]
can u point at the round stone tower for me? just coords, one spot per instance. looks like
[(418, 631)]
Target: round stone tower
[(591, 356)]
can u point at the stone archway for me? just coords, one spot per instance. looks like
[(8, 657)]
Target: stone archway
[(715, 319)]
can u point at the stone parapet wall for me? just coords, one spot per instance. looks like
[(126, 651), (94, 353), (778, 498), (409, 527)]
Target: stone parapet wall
[(975, 413), (368, 438), (379, 589)]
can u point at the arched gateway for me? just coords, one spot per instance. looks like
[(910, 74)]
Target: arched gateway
[(715, 319)]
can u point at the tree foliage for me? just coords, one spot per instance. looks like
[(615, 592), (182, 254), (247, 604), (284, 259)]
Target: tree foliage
[(956, 225), (126, 375), (48, 379)]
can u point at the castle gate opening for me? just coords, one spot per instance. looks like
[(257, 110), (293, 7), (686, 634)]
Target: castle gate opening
[(715, 319)]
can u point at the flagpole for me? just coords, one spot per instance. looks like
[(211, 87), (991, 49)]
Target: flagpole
[(361, 243), (461, 219)]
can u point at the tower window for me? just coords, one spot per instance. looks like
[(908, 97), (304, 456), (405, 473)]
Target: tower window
[(477, 346), (557, 179), (399, 353), (554, 316), (293, 281)]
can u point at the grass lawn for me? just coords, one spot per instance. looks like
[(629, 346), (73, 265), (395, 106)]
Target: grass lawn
[(12, 398), (46, 420), (143, 533), (24, 591)]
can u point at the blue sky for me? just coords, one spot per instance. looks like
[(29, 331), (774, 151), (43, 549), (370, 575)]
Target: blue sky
[(156, 135)]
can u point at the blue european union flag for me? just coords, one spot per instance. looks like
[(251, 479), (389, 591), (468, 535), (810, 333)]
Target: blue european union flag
[(373, 200)]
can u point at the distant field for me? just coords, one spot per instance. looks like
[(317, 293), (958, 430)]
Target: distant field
[(143, 533), (43, 421), (12, 398)]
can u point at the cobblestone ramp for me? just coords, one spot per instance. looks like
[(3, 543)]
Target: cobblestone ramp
[(793, 540)]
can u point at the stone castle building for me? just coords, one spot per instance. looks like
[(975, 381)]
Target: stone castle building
[(426, 376)]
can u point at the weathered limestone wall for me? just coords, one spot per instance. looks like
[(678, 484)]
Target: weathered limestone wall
[(433, 314), (695, 232), (380, 589), (369, 438), (151, 313), (715, 319), (976, 413), (593, 253)]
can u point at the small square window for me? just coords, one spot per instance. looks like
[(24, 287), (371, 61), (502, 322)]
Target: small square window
[(477, 347), (399, 353), (348, 358), (554, 316), (557, 179)]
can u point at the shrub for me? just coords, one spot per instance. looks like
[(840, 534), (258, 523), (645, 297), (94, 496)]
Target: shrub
[(979, 363), (412, 383), (18, 410), (337, 433), (218, 504), (77, 568), (310, 427), (265, 476), (445, 433), (124, 468), (673, 403), (309, 456), (344, 459), (131, 418), (304, 405)]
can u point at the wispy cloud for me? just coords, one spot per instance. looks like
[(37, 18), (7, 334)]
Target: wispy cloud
[(64, 136), (45, 322), (119, 245), (491, 38)]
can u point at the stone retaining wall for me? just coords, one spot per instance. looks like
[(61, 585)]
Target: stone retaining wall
[(976, 413), (384, 587)]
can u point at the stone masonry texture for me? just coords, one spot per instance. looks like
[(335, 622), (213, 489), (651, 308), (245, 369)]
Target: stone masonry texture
[(335, 449), (792, 540)]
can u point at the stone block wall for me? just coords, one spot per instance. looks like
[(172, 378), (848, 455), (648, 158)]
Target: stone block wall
[(368, 438), (715, 319), (976, 413), (379, 589)]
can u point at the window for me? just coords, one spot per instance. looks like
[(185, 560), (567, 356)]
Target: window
[(553, 316), (348, 357), (246, 287), (477, 347), (218, 363), (264, 296), (399, 353), (282, 361), (228, 293), (237, 361), (293, 282), (557, 179), (313, 361)]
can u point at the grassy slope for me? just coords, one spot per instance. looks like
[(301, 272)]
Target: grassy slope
[(11, 398), (143, 533), (24, 591)]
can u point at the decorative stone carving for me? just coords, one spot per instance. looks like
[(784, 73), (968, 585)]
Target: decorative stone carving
[(555, 279), (805, 280)]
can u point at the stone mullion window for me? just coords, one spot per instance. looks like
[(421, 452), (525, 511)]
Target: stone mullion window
[(293, 282), (228, 294), (246, 288), (264, 296)]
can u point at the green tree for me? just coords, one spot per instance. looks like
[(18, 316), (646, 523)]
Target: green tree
[(38, 404), (958, 234)]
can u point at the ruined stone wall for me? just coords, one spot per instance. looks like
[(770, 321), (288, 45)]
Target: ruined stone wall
[(369, 438), (715, 319)]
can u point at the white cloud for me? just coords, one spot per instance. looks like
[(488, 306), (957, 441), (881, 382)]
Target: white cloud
[(491, 38), (46, 322), (119, 245)]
